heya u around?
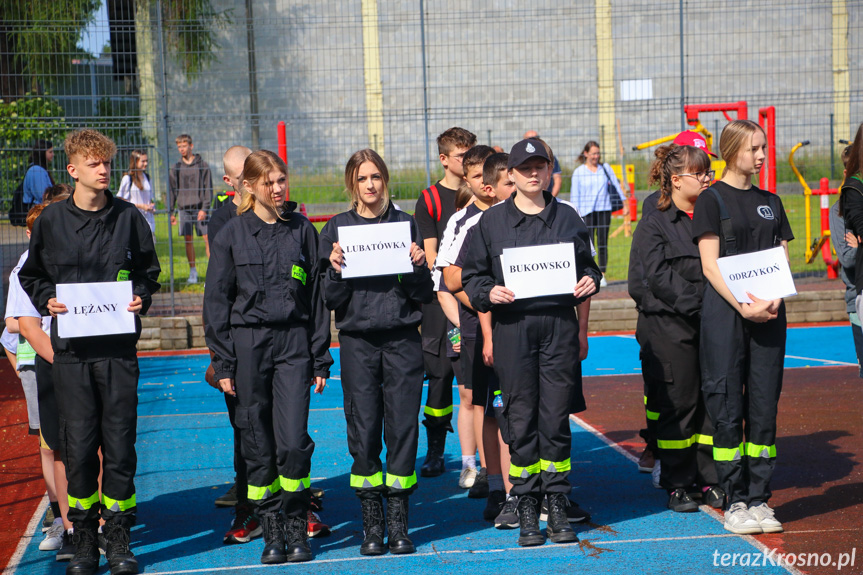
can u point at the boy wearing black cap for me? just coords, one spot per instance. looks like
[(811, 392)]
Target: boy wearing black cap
[(539, 338)]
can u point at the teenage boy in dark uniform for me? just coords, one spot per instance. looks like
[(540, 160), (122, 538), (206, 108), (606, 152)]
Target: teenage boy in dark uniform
[(536, 339), (92, 238), (434, 208)]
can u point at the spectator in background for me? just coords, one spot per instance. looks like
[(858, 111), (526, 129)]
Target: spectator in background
[(38, 179), (556, 173), (591, 183), (135, 187), (845, 243)]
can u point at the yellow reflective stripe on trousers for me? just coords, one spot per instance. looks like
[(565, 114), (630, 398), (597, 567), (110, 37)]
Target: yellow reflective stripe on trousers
[(523, 472), (295, 485), (85, 503), (651, 415), (437, 412), (117, 505), (367, 481), (555, 466), (401, 481), (755, 450), (684, 443), (260, 493), (727, 454)]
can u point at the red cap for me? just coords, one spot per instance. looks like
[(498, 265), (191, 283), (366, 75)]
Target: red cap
[(690, 138)]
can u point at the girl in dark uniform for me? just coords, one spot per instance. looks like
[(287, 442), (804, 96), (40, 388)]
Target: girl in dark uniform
[(381, 354), (669, 324), (269, 333), (742, 344)]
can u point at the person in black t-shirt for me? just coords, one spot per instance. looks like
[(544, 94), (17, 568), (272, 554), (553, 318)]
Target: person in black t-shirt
[(434, 208), (742, 344)]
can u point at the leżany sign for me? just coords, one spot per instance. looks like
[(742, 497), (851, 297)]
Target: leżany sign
[(98, 308)]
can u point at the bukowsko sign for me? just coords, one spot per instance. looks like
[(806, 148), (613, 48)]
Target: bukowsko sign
[(537, 271), (376, 249), (95, 309), (765, 274)]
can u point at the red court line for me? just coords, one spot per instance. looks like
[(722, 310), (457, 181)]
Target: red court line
[(21, 483), (818, 483)]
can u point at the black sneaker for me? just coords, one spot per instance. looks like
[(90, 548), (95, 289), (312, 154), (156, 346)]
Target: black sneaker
[(479, 490), (574, 513), (508, 516), (494, 504), (681, 502), (714, 497), (67, 549), (229, 498)]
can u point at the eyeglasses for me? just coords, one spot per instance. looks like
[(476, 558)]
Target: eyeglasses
[(458, 157), (708, 175)]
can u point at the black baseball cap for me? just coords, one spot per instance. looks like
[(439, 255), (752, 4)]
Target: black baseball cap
[(525, 150)]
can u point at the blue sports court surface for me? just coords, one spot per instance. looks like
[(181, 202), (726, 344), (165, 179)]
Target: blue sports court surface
[(185, 461)]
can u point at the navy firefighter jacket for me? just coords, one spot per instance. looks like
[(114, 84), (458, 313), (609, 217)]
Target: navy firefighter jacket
[(379, 302), (265, 275), (70, 245), (671, 264), (505, 226)]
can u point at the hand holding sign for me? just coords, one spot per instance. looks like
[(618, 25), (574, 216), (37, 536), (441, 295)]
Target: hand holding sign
[(760, 311)]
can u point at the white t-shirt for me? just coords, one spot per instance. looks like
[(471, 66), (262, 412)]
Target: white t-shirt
[(18, 304), (131, 193)]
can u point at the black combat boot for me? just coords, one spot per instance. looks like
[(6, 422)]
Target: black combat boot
[(117, 552), (434, 462), (528, 515), (86, 559), (274, 538), (373, 526), (298, 539), (397, 525), (559, 530)]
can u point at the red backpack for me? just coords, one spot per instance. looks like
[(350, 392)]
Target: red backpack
[(433, 202)]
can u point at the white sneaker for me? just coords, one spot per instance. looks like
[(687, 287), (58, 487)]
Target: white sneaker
[(193, 276), (603, 282), (53, 537), (763, 514), (467, 477), (739, 520), (654, 475)]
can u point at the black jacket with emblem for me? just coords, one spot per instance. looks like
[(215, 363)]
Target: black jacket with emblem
[(505, 226), (373, 303), (265, 275), (67, 246)]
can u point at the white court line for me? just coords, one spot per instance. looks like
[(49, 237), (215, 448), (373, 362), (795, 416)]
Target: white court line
[(821, 360), (436, 553), (705, 508), (25, 540)]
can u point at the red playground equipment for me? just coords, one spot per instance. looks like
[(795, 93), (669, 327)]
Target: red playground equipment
[(822, 244)]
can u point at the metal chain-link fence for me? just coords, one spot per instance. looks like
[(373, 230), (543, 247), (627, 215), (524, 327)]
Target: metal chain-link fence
[(392, 75)]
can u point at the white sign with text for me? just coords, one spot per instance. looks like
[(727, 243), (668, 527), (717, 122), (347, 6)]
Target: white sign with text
[(765, 274), (537, 271), (95, 309), (376, 249)]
